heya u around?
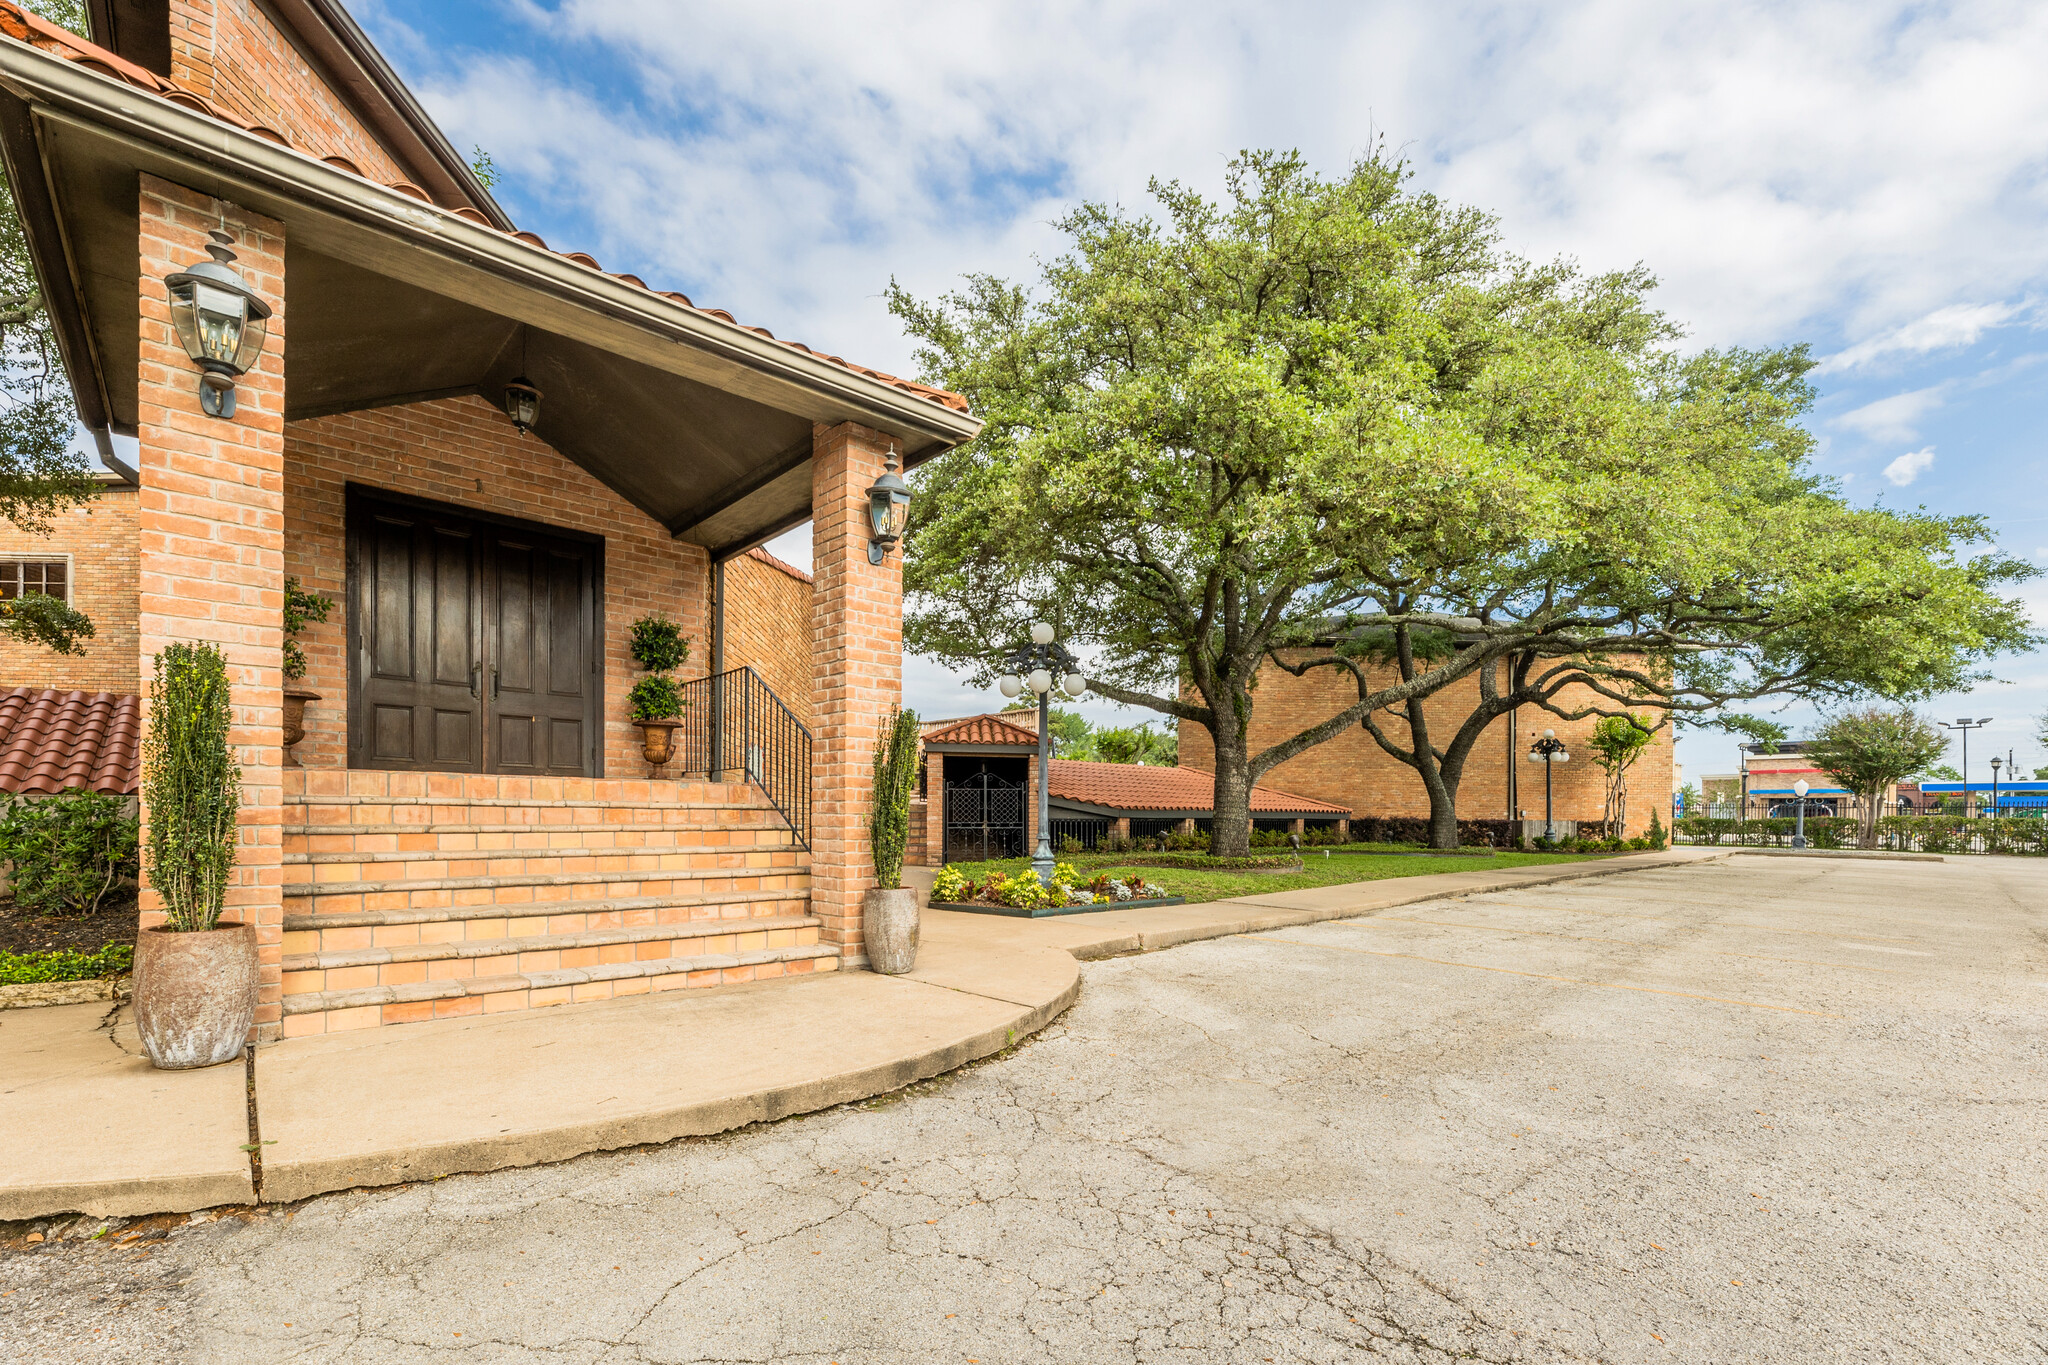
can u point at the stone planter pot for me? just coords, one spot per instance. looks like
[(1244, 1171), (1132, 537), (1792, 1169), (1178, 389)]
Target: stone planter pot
[(657, 740), (888, 923), (295, 699), (195, 994)]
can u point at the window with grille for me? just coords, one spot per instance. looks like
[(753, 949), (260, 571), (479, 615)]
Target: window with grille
[(51, 576)]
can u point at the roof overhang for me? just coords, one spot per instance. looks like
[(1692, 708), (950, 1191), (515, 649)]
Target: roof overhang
[(704, 425), (984, 750)]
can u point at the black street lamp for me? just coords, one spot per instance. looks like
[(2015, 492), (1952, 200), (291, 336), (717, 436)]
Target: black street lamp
[(1547, 751), (1965, 724), (1996, 764), (1799, 791), (1041, 666)]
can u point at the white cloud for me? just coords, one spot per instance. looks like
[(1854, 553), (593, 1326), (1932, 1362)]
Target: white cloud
[(1862, 167), (1909, 466), (1893, 419), (1945, 328)]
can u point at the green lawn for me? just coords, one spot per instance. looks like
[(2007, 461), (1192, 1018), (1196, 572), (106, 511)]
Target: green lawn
[(1207, 885)]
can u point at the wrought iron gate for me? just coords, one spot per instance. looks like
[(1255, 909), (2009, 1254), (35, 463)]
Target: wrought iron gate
[(984, 818)]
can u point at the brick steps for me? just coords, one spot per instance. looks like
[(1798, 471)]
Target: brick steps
[(549, 910), (422, 1000), (411, 897)]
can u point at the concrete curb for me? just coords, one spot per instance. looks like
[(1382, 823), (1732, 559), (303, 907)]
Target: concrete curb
[(1867, 854)]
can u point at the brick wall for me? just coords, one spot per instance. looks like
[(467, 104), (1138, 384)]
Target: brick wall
[(211, 533), (1352, 770), (100, 541), (228, 51), (465, 451), (856, 671), (767, 612)]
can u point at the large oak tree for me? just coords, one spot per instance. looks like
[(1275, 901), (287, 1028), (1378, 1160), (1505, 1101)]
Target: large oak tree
[(1335, 411)]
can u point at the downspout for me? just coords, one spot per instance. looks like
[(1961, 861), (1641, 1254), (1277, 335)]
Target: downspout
[(716, 729)]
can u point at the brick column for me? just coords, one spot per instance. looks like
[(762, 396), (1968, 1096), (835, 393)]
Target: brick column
[(212, 537), (856, 672), (1031, 805), (935, 810)]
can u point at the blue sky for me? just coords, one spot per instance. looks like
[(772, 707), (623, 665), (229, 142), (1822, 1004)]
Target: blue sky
[(1870, 178)]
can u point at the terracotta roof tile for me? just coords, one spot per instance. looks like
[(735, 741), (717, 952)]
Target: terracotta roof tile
[(46, 37), (1135, 786), (982, 730), (53, 741), (771, 561)]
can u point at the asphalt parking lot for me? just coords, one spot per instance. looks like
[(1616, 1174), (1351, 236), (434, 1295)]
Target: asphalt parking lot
[(1754, 1110)]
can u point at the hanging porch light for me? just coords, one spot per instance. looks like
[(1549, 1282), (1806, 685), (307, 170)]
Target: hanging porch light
[(522, 404), (220, 321), (888, 510)]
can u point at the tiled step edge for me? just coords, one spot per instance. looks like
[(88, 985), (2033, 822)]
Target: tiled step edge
[(333, 959), (317, 1001), (395, 857), (358, 919), (306, 890), (301, 831)]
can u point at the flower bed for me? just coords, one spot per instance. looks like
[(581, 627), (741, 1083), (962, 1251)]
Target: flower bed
[(1022, 893), (23, 969)]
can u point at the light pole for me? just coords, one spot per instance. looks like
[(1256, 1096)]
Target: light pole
[(1040, 666), (1547, 751), (1799, 790), (1996, 764), (1965, 724)]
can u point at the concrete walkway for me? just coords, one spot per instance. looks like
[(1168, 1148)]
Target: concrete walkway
[(93, 1128)]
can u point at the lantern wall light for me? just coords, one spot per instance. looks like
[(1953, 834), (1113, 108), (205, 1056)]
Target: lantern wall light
[(220, 321), (888, 510)]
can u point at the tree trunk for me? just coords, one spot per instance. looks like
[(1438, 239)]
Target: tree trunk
[(1869, 813), (1230, 832)]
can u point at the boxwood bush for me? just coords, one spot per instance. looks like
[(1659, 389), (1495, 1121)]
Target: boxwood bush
[(67, 853)]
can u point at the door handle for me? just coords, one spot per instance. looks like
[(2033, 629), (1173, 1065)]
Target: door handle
[(476, 680), (494, 684)]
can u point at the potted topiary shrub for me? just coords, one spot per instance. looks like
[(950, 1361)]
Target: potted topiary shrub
[(655, 703), (300, 608), (195, 975), (889, 910)]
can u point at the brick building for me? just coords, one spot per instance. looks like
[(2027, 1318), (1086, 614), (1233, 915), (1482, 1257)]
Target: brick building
[(472, 826), (1499, 782), (88, 558)]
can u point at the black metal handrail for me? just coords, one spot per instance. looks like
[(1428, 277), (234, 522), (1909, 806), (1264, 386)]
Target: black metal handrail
[(735, 726)]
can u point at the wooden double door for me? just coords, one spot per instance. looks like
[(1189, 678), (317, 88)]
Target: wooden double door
[(475, 645)]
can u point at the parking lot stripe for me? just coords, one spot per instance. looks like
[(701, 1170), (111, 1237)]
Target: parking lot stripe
[(1589, 938), (1545, 976)]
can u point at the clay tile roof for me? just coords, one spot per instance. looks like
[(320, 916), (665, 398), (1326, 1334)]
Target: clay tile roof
[(53, 741), (48, 38), (1134, 786), (983, 730), (772, 562)]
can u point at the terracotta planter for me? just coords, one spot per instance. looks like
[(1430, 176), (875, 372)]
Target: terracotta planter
[(195, 994), (888, 924), (295, 699), (657, 740)]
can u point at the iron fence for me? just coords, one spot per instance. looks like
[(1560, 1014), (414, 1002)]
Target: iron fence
[(736, 729), (1088, 832), (1915, 833)]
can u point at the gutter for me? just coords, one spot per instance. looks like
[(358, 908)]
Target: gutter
[(64, 92)]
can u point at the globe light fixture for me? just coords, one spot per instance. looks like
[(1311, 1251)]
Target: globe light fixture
[(1040, 680), (220, 321), (1548, 750), (888, 510), (1800, 789), (1010, 685), (1074, 684), (1041, 633), (522, 404), (1043, 665)]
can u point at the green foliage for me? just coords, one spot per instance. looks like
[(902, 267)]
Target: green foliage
[(950, 885), (1871, 749), (1655, 836), (895, 778), (1336, 418), (654, 697), (484, 169), (658, 644), (1952, 833), (22, 969), (1132, 744), (36, 618), (1944, 772), (191, 786), (301, 608), (67, 851)]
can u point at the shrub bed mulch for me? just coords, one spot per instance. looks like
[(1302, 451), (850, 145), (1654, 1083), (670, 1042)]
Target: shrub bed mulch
[(1041, 912), (27, 933), (1257, 862)]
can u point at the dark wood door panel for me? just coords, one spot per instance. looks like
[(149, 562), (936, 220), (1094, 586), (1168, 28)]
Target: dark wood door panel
[(415, 686), (475, 646)]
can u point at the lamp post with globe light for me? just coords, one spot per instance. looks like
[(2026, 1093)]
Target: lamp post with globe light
[(1965, 724), (1547, 751), (1041, 666), (1799, 790)]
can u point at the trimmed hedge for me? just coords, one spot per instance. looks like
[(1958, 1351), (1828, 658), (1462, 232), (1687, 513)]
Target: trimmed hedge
[(22, 969), (1895, 834)]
